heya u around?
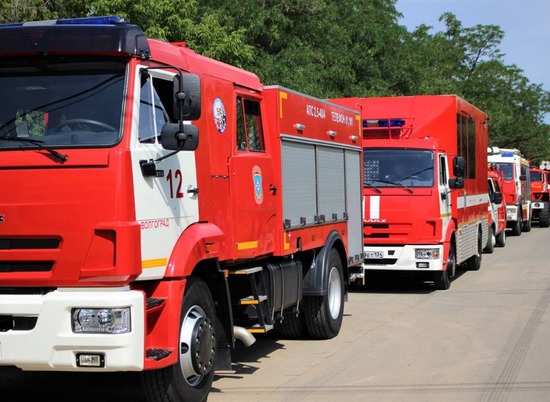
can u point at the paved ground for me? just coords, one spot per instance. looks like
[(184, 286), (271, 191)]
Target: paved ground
[(487, 338)]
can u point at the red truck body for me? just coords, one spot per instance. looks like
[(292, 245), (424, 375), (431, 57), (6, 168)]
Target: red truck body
[(424, 222), (516, 187), (497, 209), (540, 200), (161, 205)]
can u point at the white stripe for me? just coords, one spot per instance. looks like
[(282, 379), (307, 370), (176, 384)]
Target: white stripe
[(374, 212)]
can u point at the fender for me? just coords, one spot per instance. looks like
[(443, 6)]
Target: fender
[(315, 282), (198, 242)]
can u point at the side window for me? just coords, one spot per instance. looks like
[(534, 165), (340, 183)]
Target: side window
[(154, 101), (442, 170), (250, 134)]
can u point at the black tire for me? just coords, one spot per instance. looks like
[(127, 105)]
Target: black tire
[(526, 227), (190, 379), (323, 314), (516, 229), (491, 241), (501, 239), (474, 262), (544, 216), (442, 279), (292, 327)]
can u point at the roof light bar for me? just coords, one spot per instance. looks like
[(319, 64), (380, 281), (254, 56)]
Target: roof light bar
[(385, 123), (107, 20)]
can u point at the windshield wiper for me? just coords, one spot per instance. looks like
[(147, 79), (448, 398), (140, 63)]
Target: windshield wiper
[(370, 185), (394, 183), (38, 143), (417, 173)]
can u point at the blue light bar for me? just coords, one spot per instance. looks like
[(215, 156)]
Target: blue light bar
[(107, 20), (507, 154), (384, 123)]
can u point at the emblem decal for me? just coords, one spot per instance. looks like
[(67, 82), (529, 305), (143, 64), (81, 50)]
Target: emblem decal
[(220, 118), (257, 180)]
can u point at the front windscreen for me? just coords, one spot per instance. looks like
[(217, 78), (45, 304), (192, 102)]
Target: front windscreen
[(536, 176), (507, 170), (398, 167), (61, 102)]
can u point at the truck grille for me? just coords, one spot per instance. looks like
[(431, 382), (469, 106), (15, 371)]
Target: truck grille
[(9, 322), (32, 244), (18, 245), (26, 266)]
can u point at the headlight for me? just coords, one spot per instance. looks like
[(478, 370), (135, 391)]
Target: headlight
[(101, 320), (426, 253)]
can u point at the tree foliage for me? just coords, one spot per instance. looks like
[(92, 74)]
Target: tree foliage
[(336, 49)]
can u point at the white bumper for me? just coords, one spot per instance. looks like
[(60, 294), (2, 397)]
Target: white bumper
[(401, 258), (52, 345)]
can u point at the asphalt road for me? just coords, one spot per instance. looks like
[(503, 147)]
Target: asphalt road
[(487, 338)]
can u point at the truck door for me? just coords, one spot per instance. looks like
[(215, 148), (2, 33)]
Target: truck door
[(165, 204), (445, 204), (252, 183)]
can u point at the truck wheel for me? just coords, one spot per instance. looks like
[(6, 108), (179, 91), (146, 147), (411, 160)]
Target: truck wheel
[(544, 216), (442, 279), (516, 229), (491, 240), (292, 326), (526, 226), (474, 262), (323, 314), (190, 379), (501, 239)]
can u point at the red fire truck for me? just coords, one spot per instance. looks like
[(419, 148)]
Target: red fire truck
[(516, 187), (497, 209), (425, 185), (540, 202), (159, 205)]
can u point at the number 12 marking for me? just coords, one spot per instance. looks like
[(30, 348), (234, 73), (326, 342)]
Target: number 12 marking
[(175, 181)]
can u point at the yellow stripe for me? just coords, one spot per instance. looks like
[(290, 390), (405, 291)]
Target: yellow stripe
[(247, 245), (155, 263), (282, 95), (256, 330), (286, 245)]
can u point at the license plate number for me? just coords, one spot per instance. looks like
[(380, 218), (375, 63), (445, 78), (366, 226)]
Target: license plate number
[(374, 254)]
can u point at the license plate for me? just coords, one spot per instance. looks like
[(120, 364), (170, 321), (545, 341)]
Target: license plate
[(374, 254)]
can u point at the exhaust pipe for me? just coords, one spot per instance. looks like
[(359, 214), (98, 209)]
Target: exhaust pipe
[(244, 336)]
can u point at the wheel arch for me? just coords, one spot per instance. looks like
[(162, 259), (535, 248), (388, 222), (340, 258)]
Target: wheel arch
[(315, 280)]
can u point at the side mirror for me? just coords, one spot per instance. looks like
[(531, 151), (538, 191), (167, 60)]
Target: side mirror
[(497, 198), (456, 183), (522, 177), (459, 167), (171, 137), (187, 96)]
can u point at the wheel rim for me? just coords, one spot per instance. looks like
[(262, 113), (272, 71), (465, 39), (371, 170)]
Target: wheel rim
[(334, 293), (197, 345)]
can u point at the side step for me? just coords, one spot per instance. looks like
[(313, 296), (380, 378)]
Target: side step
[(251, 305)]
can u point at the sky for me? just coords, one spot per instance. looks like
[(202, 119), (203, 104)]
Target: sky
[(526, 26)]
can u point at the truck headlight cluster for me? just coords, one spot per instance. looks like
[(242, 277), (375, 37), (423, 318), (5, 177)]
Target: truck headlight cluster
[(426, 253), (101, 320)]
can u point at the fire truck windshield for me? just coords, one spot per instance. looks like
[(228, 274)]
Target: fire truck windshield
[(60, 102), (398, 167)]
